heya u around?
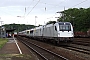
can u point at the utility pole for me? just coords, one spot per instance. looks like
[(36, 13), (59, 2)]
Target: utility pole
[(35, 20), (1, 22), (63, 14), (1, 28)]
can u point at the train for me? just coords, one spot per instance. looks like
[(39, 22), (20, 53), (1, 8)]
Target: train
[(56, 33), (80, 34)]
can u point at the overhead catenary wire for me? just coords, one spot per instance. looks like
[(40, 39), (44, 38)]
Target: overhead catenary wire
[(72, 6), (46, 9), (45, 6), (30, 4), (33, 8), (26, 8), (52, 4), (80, 3)]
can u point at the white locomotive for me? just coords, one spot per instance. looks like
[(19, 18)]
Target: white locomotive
[(60, 31)]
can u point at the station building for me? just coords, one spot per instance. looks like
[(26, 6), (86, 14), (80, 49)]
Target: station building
[(6, 33)]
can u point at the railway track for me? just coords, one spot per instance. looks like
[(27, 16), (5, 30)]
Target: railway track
[(80, 41), (44, 53), (82, 49)]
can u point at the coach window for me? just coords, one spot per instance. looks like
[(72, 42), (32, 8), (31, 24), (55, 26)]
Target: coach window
[(55, 28), (40, 29)]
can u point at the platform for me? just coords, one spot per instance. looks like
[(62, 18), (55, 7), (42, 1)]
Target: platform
[(11, 51)]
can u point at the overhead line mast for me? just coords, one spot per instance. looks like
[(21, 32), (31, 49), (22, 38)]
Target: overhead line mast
[(62, 14)]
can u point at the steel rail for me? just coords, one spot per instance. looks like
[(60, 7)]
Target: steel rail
[(43, 49)]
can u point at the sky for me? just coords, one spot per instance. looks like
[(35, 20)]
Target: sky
[(35, 12)]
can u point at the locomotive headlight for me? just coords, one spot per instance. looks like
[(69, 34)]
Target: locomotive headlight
[(72, 34)]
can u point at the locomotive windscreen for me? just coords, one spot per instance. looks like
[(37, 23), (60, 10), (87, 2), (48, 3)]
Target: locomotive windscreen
[(64, 26)]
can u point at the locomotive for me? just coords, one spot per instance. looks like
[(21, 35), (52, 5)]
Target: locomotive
[(58, 32)]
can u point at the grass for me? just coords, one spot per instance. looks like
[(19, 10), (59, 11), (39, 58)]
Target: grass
[(15, 57), (2, 42)]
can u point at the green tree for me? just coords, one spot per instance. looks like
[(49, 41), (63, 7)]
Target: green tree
[(18, 27), (50, 22), (79, 17)]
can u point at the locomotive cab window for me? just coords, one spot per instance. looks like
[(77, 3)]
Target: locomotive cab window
[(64, 27)]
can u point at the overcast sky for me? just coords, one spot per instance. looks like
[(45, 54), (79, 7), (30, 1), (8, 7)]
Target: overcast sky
[(45, 10)]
